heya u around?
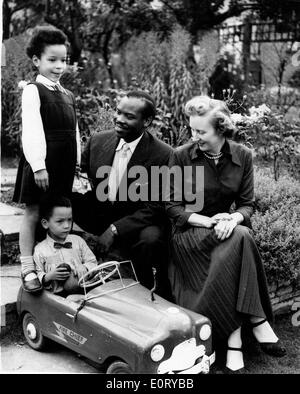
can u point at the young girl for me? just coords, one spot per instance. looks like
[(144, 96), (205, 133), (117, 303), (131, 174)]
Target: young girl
[(50, 139)]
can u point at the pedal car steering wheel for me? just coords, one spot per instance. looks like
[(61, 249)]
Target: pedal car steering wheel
[(98, 274)]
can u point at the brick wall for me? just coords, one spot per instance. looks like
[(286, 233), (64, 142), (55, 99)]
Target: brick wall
[(284, 295)]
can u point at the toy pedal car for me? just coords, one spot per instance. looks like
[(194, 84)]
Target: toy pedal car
[(119, 324)]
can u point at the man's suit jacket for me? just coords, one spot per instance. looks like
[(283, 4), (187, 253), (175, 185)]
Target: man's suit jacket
[(129, 217)]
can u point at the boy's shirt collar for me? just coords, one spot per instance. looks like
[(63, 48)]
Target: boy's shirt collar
[(51, 240)]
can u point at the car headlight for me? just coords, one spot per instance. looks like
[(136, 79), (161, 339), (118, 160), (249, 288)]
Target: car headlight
[(157, 352), (205, 332)]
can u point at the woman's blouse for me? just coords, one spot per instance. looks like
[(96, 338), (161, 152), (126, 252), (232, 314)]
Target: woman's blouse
[(228, 181)]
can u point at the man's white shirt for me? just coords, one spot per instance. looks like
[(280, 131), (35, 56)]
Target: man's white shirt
[(119, 165)]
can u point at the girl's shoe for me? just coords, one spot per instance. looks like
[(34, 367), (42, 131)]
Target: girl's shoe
[(33, 285), (275, 349)]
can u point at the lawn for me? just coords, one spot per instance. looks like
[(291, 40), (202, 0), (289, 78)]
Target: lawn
[(256, 362)]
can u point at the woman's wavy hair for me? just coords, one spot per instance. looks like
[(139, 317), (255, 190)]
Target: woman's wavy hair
[(220, 114)]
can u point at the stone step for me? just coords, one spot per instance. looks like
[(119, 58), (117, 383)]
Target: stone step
[(10, 283), (8, 176)]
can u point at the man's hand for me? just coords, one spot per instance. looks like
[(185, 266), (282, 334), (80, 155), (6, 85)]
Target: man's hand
[(106, 240), (80, 271), (77, 170), (60, 273), (42, 179), (224, 228)]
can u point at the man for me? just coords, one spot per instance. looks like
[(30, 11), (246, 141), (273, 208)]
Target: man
[(136, 226)]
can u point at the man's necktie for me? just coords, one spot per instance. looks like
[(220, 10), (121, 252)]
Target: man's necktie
[(115, 179), (67, 245)]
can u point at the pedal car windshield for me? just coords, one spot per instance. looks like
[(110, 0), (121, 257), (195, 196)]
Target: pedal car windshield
[(108, 277)]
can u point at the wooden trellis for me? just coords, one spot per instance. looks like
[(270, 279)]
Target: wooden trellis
[(260, 32)]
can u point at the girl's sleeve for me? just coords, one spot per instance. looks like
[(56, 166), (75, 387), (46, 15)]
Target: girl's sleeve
[(33, 136)]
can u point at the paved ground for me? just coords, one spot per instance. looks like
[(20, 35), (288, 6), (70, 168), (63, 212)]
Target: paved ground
[(17, 357), (10, 285)]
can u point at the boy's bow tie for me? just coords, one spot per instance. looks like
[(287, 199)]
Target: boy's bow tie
[(67, 245)]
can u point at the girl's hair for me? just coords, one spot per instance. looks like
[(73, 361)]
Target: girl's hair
[(43, 36), (220, 114)]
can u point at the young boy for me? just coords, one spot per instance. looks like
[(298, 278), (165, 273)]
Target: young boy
[(61, 259)]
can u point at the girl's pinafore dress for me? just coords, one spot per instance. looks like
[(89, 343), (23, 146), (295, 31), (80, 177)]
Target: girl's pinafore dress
[(59, 122)]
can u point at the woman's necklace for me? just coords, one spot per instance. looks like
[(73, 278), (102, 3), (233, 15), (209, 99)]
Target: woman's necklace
[(213, 157)]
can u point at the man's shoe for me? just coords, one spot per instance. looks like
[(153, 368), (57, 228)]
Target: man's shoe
[(31, 286)]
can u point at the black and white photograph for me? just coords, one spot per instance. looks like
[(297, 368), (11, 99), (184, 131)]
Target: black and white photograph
[(150, 190)]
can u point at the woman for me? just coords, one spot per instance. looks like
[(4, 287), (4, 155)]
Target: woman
[(215, 266)]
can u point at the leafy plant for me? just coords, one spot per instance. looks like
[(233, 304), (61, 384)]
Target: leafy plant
[(276, 226), (273, 138), (17, 67)]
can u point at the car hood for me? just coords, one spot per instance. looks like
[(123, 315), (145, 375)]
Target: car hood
[(130, 313)]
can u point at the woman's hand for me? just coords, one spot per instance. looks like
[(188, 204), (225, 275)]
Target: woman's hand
[(222, 216), (201, 221), (42, 179), (224, 228), (60, 273)]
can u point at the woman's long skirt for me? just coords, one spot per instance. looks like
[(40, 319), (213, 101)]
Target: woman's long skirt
[(223, 280)]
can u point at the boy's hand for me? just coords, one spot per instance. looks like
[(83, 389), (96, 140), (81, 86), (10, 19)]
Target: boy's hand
[(60, 273), (42, 179)]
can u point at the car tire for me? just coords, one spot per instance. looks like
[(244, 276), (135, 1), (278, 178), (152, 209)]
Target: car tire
[(119, 367), (32, 332)]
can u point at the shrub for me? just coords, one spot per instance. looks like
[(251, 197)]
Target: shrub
[(17, 67), (273, 138), (276, 226), (278, 98)]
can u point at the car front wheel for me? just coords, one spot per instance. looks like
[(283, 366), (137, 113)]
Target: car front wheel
[(119, 367), (32, 332)]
